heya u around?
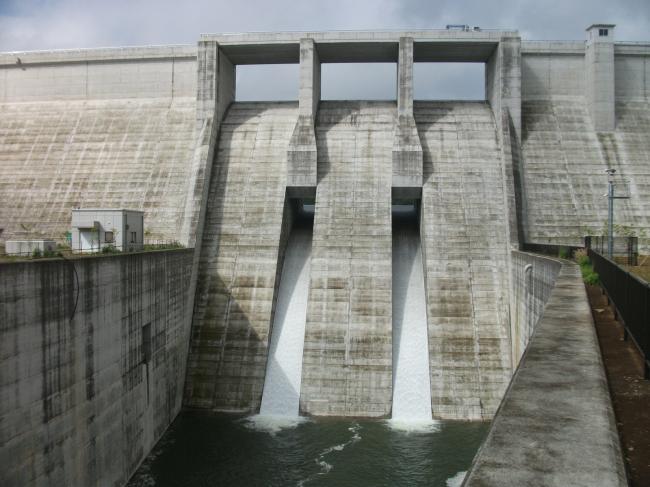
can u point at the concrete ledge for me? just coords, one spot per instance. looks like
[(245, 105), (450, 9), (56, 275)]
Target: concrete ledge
[(632, 49), (553, 47), (135, 53), (555, 425)]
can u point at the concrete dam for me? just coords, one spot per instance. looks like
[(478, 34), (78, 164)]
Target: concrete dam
[(351, 258)]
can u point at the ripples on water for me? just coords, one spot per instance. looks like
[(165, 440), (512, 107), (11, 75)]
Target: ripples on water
[(214, 450)]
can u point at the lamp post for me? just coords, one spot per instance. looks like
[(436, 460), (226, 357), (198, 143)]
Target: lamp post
[(610, 210)]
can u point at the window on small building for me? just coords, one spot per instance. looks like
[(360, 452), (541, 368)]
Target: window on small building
[(603, 32), (133, 237), (108, 237)]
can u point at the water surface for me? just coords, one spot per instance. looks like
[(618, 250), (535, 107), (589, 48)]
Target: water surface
[(208, 450)]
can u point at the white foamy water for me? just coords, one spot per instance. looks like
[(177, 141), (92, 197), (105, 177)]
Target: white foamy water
[(411, 383), (320, 460), (272, 424), (456, 480), (283, 373)]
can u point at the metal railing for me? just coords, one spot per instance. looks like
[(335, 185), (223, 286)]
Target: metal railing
[(631, 298), (624, 248), (105, 249)]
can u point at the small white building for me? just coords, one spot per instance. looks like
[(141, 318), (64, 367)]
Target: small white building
[(96, 228)]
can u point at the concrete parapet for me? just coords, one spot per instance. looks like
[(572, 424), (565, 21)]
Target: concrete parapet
[(533, 280), (302, 153), (555, 425), (98, 74), (93, 358)]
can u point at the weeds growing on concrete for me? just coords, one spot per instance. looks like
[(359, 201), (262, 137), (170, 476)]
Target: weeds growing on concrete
[(587, 270)]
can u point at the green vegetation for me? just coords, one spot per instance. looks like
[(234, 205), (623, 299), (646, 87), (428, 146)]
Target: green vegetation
[(563, 253), (109, 249), (46, 254), (587, 270)]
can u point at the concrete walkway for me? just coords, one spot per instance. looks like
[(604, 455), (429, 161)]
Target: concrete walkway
[(555, 426)]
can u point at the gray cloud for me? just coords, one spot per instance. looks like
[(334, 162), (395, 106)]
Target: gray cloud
[(60, 24)]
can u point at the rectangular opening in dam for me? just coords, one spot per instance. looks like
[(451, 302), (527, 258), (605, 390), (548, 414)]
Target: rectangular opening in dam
[(267, 82), (281, 393), (358, 81), (411, 382), (449, 81)]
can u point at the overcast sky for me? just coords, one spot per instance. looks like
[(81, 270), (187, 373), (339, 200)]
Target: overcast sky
[(60, 24)]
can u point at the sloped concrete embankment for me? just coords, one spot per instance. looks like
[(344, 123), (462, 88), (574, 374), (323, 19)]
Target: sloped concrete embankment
[(98, 128), (92, 363), (555, 425)]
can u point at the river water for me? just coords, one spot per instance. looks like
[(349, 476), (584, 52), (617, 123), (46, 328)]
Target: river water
[(210, 450)]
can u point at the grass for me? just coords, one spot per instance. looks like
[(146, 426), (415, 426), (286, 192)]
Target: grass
[(589, 276)]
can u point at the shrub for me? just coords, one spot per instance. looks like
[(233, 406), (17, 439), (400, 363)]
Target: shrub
[(591, 278), (563, 253), (37, 254), (581, 257), (109, 249)]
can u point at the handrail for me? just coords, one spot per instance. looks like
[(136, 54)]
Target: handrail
[(631, 298)]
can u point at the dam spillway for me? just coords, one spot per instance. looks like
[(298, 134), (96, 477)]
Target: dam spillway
[(281, 393), (348, 340), (411, 372)]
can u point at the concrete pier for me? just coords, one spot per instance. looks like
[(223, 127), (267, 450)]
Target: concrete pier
[(407, 149), (302, 154)]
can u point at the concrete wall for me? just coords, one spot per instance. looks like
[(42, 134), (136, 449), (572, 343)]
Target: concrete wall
[(465, 245), (556, 425), (565, 151), (533, 280), (98, 74), (240, 257), (95, 128), (632, 72), (78, 405)]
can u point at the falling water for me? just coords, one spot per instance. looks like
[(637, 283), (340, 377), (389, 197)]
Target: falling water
[(283, 373), (411, 384)]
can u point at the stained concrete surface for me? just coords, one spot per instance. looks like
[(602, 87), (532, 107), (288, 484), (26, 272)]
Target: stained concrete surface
[(81, 400), (555, 426)]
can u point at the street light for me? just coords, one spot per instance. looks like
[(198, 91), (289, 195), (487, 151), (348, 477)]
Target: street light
[(610, 220)]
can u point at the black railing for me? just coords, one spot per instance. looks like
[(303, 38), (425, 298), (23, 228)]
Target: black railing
[(65, 251), (631, 298), (626, 248)]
